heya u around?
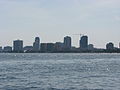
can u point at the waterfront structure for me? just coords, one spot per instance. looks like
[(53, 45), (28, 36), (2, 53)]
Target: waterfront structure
[(28, 48), (50, 47), (7, 49), (84, 42), (90, 47), (18, 46), (119, 45), (36, 45), (67, 42), (59, 46), (0, 49), (47, 47), (110, 46), (43, 47), (64, 47)]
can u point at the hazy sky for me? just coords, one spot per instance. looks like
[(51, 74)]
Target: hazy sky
[(51, 20)]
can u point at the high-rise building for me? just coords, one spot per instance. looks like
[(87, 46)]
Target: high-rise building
[(67, 42), (84, 42), (110, 46), (18, 46), (36, 44)]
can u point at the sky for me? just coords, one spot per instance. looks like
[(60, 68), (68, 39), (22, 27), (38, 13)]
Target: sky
[(52, 20)]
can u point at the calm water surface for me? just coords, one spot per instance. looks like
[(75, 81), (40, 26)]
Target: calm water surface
[(59, 71)]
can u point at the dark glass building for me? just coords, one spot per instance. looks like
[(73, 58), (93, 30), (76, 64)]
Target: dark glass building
[(18, 46), (110, 46), (0, 49), (47, 47), (67, 42), (43, 47), (7, 49), (84, 42), (28, 48), (50, 47), (36, 44), (59, 46)]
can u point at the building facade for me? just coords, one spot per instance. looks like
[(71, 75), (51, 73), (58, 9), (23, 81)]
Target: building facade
[(110, 46), (7, 49), (28, 48), (43, 47), (59, 46), (90, 47), (84, 42), (18, 46), (50, 47), (67, 42), (1, 49), (47, 47), (36, 45)]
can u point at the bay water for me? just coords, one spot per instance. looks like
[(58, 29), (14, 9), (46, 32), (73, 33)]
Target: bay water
[(59, 71)]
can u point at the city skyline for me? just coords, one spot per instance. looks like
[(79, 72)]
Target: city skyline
[(66, 40), (85, 40), (53, 19), (58, 47)]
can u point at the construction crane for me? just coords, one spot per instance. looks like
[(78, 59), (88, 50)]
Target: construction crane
[(79, 35)]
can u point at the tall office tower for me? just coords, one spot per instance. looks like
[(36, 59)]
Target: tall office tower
[(18, 46), (84, 42), (67, 42), (36, 44)]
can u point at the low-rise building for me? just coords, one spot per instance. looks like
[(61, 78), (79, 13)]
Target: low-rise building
[(50, 47), (90, 47), (7, 49), (59, 46), (43, 47), (0, 49), (47, 47), (28, 48)]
